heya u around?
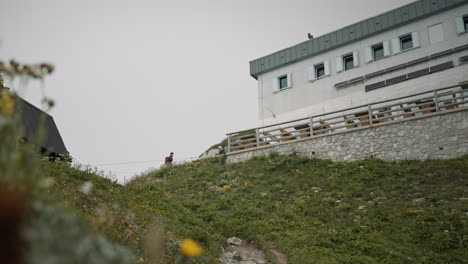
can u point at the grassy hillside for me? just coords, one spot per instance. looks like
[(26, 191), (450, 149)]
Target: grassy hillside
[(311, 210)]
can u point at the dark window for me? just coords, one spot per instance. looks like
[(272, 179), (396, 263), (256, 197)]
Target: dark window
[(319, 70), (377, 51), (348, 62), (465, 21), (406, 42), (283, 82)]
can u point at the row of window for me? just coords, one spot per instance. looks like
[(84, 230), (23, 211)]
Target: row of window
[(372, 53)]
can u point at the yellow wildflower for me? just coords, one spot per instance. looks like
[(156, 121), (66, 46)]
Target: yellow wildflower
[(190, 248), (6, 104), (226, 187)]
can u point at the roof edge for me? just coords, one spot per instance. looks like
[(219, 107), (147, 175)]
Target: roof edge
[(443, 5)]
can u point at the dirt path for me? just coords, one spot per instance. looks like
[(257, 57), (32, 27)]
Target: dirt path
[(280, 257)]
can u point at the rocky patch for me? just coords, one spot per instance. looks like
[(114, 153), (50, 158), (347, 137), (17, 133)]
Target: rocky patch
[(240, 252)]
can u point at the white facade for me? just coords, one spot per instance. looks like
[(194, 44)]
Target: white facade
[(304, 95)]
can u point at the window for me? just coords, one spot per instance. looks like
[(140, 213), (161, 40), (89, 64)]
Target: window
[(461, 23), (378, 51), (319, 70), (465, 23), (406, 42), (283, 82), (348, 62)]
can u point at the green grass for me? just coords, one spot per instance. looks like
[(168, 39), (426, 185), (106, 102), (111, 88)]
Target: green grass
[(311, 210)]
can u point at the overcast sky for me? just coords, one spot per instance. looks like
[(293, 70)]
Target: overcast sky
[(138, 79)]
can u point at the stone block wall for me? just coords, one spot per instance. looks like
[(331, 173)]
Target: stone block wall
[(436, 136)]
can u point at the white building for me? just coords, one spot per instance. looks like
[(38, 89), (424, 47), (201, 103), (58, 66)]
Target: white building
[(418, 47)]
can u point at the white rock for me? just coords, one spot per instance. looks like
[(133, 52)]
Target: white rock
[(418, 200), (211, 153), (86, 187), (234, 241)]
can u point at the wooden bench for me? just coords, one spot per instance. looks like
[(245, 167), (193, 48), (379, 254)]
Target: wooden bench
[(286, 135), (325, 125), (383, 115), (408, 111), (350, 123), (452, 104), (250, 139), (238, 145), (304, 130), (363, 116), (426, 104), (322, 129), (271, 137)]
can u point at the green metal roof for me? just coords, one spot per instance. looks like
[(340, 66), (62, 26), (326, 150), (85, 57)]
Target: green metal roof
[(355, 32)]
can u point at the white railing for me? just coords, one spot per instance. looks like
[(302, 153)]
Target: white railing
[(393, 110)]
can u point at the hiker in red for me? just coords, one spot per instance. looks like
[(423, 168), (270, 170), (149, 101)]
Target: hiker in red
[(169, 159)]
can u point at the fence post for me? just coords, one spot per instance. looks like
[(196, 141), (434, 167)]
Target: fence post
[(436, 101), (311, 122), (257, 137), (229, 143), (369, 109)]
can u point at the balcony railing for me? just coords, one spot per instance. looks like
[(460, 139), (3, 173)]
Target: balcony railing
[(394, 110)]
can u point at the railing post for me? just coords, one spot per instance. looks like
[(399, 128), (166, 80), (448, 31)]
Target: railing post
[(369, 109), (257, 137), (311, 123), (229, 143), (436, 101)]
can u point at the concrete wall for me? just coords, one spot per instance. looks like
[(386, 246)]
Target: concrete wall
[(433, 136), (307, 98)]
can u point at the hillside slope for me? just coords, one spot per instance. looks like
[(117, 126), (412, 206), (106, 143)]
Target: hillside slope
[(313, 211)]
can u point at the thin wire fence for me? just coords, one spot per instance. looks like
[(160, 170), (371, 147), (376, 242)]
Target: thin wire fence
[(122, 172)]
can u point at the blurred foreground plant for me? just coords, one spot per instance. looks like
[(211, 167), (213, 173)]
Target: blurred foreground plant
[(189, 248), (14, 203), (33, 228), (36, 71), (6, 103)]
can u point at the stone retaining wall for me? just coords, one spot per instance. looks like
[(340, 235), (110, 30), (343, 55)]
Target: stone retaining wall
[(436, 136)]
